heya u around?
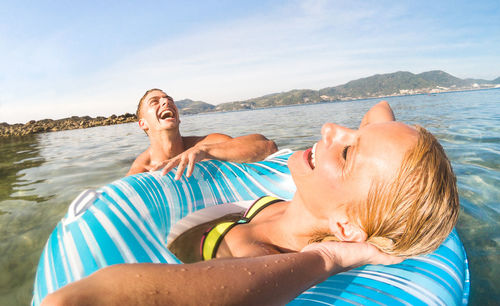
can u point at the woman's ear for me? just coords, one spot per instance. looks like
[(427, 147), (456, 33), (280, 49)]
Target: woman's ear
[(345, 230)]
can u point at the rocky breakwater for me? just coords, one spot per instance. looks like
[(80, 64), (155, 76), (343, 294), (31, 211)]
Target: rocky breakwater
[(71, 123)]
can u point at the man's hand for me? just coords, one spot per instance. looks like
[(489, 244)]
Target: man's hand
[(186, 159), (343, 256)]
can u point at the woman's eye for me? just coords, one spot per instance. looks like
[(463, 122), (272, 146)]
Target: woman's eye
[(344, 153)]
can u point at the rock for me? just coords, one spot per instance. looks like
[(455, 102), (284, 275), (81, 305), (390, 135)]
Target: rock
[(73, 122)]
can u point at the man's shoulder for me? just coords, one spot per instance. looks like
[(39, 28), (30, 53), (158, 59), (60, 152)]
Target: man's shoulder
[(141, 163), (190, 141), (144, 157)]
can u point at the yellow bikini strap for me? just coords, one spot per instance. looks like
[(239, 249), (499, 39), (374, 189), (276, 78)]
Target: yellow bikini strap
[(211, 240), (259, 205)]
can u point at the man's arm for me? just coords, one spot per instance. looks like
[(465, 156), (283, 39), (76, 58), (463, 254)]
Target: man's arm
[(248, 148), (380, 112), (243, 149), (265, 280)]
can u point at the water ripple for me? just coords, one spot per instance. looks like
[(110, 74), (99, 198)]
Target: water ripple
[(40, 175)]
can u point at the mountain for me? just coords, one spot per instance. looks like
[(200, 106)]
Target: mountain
[(441, 78), (188, 106), (295, 96), (379, 85), (376, 86)]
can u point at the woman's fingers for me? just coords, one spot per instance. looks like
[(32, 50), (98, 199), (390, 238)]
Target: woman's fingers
[(341, 256), (386, 259)]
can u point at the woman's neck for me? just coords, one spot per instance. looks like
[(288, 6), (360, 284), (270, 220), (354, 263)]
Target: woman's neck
[(287, 225)]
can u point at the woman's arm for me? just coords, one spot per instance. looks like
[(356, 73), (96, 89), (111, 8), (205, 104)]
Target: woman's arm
[(380, 112), (266, 280)]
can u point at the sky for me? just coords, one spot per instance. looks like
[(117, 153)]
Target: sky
[(97, 58)]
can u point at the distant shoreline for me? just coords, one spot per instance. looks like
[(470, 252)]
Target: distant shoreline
[(71, 123), (76, 122)]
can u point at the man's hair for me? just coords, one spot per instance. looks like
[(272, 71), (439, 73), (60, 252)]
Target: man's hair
[(138, 113), (417, 210), (414, 213)]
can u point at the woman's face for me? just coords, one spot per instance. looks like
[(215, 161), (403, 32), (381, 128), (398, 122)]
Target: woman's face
[(341, 167)]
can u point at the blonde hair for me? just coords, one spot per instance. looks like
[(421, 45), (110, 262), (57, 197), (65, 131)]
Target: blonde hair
[(414, 213)]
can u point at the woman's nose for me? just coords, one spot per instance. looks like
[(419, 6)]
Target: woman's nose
[(333, 133)]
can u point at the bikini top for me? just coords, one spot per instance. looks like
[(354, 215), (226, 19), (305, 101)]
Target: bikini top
[(213, 237)]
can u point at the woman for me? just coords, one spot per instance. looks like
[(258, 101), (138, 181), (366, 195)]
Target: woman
[(386, 183)]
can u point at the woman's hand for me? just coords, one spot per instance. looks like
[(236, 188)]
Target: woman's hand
[(343, 256), (380, 112)]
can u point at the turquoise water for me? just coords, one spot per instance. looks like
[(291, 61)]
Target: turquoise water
[(40, 175)]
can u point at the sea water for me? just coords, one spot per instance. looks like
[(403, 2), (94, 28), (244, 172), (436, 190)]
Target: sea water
[(41, 174)]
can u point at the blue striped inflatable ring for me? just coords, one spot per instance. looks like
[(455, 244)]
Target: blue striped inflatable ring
[(128, 221)]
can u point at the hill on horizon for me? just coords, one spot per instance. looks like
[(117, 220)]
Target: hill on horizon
[(376, 86), (379, 85)]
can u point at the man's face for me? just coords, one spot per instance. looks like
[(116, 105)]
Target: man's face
[(158, 113)]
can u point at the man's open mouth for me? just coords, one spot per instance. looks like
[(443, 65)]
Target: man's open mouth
[(166, 114)]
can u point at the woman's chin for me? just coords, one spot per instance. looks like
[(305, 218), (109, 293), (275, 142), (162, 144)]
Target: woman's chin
[(298, 165)]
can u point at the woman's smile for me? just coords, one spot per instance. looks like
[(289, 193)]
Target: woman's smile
[(309, 157)]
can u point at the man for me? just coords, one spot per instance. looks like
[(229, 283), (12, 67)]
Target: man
[(159, 118)]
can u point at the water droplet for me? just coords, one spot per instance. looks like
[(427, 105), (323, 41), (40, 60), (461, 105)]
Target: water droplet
[(250, 273), (183, 269), (223, 287)]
